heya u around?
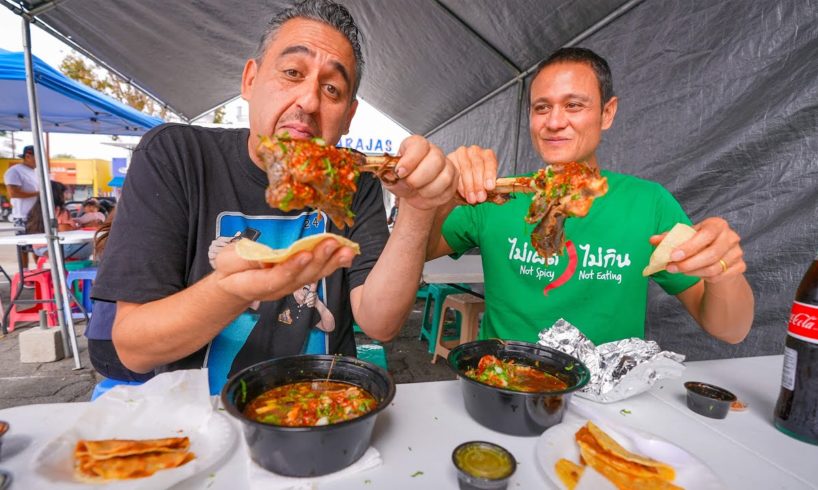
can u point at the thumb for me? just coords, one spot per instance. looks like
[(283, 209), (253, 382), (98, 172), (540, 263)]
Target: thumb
[(656, 239)]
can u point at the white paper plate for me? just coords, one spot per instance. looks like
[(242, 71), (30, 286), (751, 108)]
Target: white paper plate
[(210, 442), (558, 442)]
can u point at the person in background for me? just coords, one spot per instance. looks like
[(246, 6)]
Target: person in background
[(596, 284), (101, 349), (24, 189), (34, 224), (91, 217)]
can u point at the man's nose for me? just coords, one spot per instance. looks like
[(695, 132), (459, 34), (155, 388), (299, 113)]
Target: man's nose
[(309, 97), (556, 119)]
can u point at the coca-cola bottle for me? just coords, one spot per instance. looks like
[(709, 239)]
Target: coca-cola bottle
[(796, 413)]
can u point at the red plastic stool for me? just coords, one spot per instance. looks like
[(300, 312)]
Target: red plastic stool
[(43, 289)]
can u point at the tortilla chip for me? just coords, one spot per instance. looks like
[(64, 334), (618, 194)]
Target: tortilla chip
[(112, 459), (568, 472), (660, 257), (250, 250)]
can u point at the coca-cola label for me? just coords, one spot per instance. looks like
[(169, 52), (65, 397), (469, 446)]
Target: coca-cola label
[(804, 322)]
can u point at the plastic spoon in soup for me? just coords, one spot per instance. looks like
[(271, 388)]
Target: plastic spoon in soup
[(323, 386)]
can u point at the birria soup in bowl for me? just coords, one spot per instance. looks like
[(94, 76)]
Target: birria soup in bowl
[(308, 415), (514, 387)]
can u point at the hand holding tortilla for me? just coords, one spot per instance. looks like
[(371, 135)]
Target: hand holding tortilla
[(250, 250), (713, 252), (660, 257), (256, 272)]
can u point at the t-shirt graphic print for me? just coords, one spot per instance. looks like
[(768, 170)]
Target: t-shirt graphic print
[(298, 322)]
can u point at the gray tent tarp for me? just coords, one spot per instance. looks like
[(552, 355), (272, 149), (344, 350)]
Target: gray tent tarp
[(718, 100)]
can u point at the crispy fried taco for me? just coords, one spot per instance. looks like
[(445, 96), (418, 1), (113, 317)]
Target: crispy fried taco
[(623, 468), (122, 459)]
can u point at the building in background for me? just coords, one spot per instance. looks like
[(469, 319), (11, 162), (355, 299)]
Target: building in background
[(83, 177)]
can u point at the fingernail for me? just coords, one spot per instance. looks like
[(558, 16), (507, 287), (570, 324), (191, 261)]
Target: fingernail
[(489, 184), (472, 197), (672, 269), (401, 172), (677, 255), (482, 196), (346, 263), (303, 260)]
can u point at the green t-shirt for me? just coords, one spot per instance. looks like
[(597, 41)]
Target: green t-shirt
[(606, 295)]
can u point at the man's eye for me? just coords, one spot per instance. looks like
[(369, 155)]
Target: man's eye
[(540, 108), (574, 106), (331, 90), (291, 73)]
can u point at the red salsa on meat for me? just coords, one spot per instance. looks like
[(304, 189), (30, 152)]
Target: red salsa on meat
[(310, 403), (511, 376)]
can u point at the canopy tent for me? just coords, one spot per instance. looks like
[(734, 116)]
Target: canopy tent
[(36, 97), (66, 106), (717, 100)]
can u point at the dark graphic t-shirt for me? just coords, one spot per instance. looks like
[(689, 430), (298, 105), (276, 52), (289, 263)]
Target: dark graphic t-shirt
[(188, 186)]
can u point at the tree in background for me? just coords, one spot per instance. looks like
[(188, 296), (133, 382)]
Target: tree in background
[(87, 73)]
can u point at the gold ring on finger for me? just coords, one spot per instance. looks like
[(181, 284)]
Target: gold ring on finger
[(723, 265)]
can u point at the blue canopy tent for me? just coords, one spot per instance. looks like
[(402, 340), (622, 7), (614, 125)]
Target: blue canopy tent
[(66, 106), (35, 97)]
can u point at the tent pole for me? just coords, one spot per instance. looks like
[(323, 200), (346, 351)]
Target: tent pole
[(517, 123), (47, 203)]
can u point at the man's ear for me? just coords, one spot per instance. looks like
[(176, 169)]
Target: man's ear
[(609, 112), (248, 77), (352, 108)]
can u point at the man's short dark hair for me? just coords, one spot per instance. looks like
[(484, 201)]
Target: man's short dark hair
[(333, 14), (581, 55)]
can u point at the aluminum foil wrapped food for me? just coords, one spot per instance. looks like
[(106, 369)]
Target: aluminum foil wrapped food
[(619, 369)]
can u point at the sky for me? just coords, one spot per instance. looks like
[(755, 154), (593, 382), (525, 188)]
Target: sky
[(370, 131)]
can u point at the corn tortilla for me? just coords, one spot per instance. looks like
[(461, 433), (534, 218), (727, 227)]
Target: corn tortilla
[(660, 257), (250, 250)]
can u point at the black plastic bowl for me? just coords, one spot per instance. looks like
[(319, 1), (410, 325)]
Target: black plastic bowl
[(515, 412), (307, 451)]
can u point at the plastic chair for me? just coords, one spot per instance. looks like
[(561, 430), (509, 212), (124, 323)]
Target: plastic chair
[(43, 290), (423, 292), (434, 301), (86, 276), (108, 383), (373, 353), (468, 307)]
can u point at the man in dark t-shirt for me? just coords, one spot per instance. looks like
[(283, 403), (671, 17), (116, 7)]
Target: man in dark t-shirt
[(191, 190)]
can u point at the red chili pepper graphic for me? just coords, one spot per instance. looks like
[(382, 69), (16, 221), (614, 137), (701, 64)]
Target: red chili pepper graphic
[(569, 269)]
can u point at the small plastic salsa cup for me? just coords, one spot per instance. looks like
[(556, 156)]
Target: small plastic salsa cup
[(708, 400), (483, 466)]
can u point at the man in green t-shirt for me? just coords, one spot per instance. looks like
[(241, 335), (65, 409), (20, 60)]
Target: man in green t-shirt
[(596, 283)]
